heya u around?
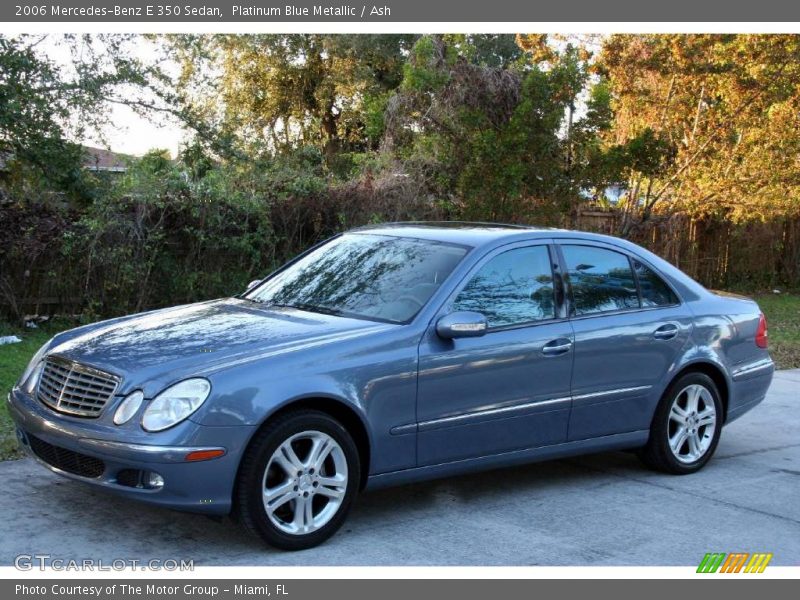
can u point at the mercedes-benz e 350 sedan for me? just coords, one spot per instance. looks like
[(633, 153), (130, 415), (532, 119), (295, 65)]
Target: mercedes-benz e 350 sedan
[(393, 354)]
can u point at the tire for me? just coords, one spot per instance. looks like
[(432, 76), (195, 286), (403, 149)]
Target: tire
[(686, 427), (308, 504)]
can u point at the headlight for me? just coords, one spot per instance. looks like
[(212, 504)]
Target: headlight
[(129, 407), (175, 403), (30, 376), (33, 379)]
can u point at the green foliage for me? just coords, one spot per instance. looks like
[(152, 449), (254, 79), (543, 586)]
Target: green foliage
[(709, 123), (163, 235), (13, 360), (374, 117), (296, 137), (34, 102), (783, 318), (488, 50), (46, 105), (276, 93), (423, 73), (493, 137)]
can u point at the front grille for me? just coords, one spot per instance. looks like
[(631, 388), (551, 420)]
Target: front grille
[(75, 389), (66, 460)]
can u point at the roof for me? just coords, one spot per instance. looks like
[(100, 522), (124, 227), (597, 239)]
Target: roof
[(458, 232), (99, 159)]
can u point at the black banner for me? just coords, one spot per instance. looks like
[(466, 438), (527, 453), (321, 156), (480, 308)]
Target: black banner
[(474, 11), (398, 589)]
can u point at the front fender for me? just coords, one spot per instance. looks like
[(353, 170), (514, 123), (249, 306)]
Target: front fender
[(376, 378), (251, 399)]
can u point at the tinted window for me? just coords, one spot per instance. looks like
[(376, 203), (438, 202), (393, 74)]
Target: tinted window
[(512, 288), (362, 275), (654, 291), (602, 280)]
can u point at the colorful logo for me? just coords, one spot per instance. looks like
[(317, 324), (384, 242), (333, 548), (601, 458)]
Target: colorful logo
[(736, 562)]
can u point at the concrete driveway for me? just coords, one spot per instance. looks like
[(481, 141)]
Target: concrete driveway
[(595, 510)]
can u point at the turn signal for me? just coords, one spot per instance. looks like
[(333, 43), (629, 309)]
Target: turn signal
[(204, 455)]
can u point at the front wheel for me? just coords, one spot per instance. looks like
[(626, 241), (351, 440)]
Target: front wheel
[(298, 480), (686, 427)]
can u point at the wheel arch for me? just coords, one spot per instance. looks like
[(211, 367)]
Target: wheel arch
[(717, 375), (334, 407)]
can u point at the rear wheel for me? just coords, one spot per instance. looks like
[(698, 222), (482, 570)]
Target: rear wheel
[(298, 480), (686, 427)]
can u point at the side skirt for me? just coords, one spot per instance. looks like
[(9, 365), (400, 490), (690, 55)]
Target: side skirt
[(619, 441)]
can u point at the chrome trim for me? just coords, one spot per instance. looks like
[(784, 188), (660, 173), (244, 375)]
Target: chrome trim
[(478, 414), (54, 399), (166, 453), (761, 365), (604, 393), (404, 429), (80, 367), (492, 411), (561, 348)]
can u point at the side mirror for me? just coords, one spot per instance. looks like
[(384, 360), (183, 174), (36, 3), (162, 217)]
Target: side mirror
[(461, 324), (252, 284)]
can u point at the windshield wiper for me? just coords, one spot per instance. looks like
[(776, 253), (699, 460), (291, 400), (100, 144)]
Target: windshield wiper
[(269, 304), (324, 310), (302, 306)]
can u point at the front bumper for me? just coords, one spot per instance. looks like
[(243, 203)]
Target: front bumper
[(203, 486)]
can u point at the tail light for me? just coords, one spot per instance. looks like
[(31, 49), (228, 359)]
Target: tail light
[(761, 332)]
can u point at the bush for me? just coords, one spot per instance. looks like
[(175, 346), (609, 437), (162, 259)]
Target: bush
[(159, 238)]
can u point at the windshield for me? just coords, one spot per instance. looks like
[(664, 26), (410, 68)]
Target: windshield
[(363, 276)]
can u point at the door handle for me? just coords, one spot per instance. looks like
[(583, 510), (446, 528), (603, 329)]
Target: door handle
[(556, 347), (666, 332)]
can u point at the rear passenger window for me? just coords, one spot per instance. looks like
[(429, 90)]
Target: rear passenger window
[(655, 292), (602, 280)]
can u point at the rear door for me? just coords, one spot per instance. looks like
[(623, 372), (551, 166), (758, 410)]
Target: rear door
[(508, 389), (629, 328)]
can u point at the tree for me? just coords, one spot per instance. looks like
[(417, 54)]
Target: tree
[(280, 92), (45, 106), (499, 142), (707, 123)]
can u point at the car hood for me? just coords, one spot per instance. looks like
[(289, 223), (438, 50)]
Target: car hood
[(195, 339)]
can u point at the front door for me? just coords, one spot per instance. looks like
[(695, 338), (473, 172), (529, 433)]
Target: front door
[(509, 389)]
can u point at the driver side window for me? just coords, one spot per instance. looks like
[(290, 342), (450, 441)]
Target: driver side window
[(513, 288)]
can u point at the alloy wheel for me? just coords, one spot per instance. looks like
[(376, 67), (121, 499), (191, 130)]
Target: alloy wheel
[(305, 482), (692, 423)]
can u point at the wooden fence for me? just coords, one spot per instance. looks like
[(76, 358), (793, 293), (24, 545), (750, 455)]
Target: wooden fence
[(49, 279), (719, 254)]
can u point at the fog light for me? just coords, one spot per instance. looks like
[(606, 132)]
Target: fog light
[(154, 480)]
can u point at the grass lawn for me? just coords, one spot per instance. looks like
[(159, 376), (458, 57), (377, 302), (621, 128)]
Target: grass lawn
[(783, 324), (782, 311), (13, 360)]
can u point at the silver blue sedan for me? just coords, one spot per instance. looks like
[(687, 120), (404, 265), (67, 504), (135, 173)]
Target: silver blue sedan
[(392, 354)]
